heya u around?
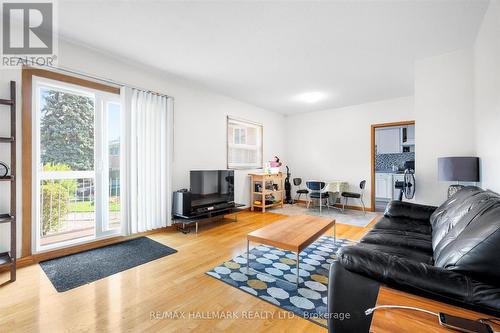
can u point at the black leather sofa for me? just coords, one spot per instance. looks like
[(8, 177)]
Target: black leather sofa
[(450, 253)]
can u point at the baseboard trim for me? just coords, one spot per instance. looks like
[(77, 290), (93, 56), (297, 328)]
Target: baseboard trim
[(368, 209), (36, 258), (25, 261)]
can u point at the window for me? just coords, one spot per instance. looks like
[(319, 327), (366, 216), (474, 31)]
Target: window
[(239, 136), (244, 144), (77, 153)]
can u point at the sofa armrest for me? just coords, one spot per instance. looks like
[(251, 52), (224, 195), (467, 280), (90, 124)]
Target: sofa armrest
[(409, 210), (349, 293), (400, 272)]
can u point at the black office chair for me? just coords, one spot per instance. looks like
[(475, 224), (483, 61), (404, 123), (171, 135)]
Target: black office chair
[(316, 188), (354, 195), (297, 182)]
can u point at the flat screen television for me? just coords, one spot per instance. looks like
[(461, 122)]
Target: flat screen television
[(209, 187)]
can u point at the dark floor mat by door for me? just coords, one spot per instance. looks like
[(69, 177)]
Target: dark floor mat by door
[(77, 269)]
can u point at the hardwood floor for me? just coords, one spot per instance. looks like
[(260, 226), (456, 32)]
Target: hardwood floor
[(128, 301), (134, 300), (142, 298)]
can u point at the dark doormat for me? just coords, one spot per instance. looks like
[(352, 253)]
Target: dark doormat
[(78, 269)]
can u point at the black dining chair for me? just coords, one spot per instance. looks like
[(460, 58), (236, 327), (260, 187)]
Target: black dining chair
[(300, 191), (354, 195), (316, 189)]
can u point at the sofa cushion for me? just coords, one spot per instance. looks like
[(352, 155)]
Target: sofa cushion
[(403, 224), (451, 202), (473, 246), (401, 252), (403, 209), (407, 239), (476, 204), (446, 216), (408, 274)]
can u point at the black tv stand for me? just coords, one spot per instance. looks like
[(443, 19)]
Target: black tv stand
[(184, 222)]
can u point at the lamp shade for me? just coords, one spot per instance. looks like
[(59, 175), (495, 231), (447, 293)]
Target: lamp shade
[(464, 169)]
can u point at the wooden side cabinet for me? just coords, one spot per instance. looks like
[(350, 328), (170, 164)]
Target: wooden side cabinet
[(266, 191)]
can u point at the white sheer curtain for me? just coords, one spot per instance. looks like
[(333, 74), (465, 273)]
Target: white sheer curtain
[(146, 159)]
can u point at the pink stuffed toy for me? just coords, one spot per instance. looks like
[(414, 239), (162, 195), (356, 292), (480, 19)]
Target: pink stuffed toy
[(275, 162)]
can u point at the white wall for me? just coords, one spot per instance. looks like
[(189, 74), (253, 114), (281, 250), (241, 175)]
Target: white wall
[(487, 96), (444, 118), (335, 144), (200, 118), (456, 109), (331, 144)]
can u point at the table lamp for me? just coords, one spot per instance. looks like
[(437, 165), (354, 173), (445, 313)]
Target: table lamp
[(458, 169)]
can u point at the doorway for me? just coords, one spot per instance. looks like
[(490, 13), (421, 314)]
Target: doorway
[(76, 173), (392, 151)]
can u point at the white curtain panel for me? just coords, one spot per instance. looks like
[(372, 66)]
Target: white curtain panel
[(146, 159)]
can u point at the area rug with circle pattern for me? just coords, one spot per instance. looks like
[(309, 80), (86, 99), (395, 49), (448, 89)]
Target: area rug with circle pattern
[(277, 284)]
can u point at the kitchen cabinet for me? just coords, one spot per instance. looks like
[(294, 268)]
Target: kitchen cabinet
[(408, 138), (384, 186), (410, 134), (388, 140)]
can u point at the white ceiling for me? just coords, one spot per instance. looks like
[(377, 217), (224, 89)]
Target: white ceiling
[(268, 52)]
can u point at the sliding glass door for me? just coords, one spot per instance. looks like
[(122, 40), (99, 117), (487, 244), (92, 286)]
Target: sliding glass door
[(77, 155), (112, 178)]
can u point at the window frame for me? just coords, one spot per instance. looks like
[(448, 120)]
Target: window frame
[(245, 124), (99, 174), (27, 156)]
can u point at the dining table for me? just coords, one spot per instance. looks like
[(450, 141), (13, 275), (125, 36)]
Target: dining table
[(335, 188)]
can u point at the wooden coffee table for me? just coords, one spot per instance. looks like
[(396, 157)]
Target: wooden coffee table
[(294, 233)]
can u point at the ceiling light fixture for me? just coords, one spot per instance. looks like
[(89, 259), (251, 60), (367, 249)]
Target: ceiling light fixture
[(311, 97)]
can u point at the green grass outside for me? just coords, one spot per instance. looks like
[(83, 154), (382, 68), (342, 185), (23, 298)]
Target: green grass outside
[(88, 206)]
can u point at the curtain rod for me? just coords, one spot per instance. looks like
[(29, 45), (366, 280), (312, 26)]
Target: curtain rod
[(93, 77), (109, 81)]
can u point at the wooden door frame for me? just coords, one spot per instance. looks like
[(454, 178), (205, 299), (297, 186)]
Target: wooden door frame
[(27, 149), (373, 128)]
